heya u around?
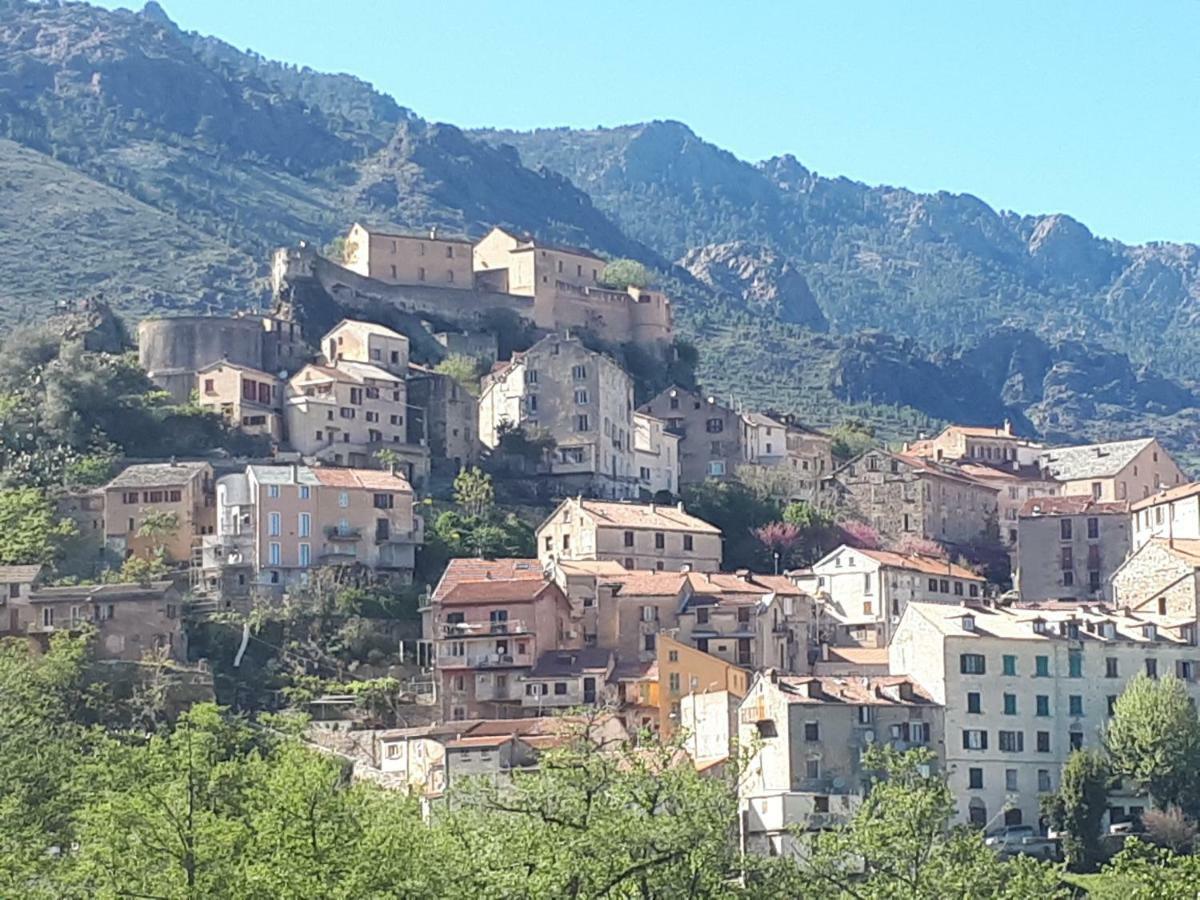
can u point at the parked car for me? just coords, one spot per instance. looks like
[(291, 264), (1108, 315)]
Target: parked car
[(1021, 840)]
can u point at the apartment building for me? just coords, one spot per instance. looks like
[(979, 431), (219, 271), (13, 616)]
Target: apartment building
[(1068, 547), (568, 679), (808, 735), (344, 414), (584, 400), (637, 535), (685, 672), (247, 398), (862, 594), (1170, 514), (909, 496), (159, 506), (655, 456), (366, 342), (1161, 577), (277, 523), (712, 437), (415, 259), (781, 442), (1118, 470), (750, 620), (1023, 686), (130, 620), (489, 623)]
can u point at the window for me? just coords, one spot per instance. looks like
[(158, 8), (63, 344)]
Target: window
[(578, 373), (972, 664), (273, 491), (714, 426), (275, 553), (531, 376), (1066, 559), (1075, 664), (716, 467), (1152, 668), (812, 731), (1075, 704), (274, 525), (1043, 778), (660, 540), (305, 555), (1076, 739), (304, 492), (343, 499), (649, 643), (974, 739), (1185, 669), (629, 539), (975, 779), (560, 688), (673, 682), (582, 423), (1010, 704), (1012, 741), (944, 586), (384, 501), (1097, 490), (672, 656), (973, 589), (304, 526), (688, 543), (1093, 528), (701, 616), (973, 702), (1112, 703), (1010, 779), (1041, 667), (933, 585), (1010, 664), (581, 396), (1064, 529), (1043, 705), (1043, 742)]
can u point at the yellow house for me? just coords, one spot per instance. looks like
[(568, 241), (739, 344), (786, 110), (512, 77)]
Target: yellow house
[(248, 398), (684, 670), (151, 491), (415, 259)]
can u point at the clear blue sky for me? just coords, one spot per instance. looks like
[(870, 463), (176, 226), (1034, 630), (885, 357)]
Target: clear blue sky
[(1089, 108)]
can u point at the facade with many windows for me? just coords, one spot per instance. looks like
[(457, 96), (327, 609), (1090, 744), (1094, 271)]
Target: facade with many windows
[(1068, 548), (1023, 686), (713, 437)]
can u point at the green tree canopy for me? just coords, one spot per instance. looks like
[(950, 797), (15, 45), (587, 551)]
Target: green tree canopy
[(1079, 807), (1154, 739), (624, 273), (29, 531)]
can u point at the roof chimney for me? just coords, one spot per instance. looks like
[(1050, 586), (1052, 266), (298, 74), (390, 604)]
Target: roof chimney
[(433, 233), (679, 506)]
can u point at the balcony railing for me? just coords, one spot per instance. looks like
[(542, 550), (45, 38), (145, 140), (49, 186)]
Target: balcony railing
[(342, 533), (468, 630)]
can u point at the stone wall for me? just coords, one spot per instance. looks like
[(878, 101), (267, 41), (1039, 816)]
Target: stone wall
[(1153, 574)]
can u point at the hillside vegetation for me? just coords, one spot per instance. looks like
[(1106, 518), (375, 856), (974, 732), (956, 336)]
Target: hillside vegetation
[(160, 167)]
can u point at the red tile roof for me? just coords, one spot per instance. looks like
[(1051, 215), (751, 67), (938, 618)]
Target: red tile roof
[(364, 479), (913, 562), (503, 569), (521, 590)]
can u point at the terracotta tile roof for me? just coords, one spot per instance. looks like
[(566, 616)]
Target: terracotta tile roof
[(364, 479), (913, 562), (644, 515), (981, 431), (649, 584), (19, 574), (985, 472), (939, 470), (858, 656), (470, 593), (475, 743), (229, 364), (369, 327), (602, 567), (1073, 505), (1180, 492), (748, 583), (503, 569)]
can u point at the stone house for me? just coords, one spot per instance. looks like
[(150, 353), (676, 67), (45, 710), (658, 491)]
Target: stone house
[(1118, 470), (247, 398), (582, 399), (564, 283), (904, 496), (637, 535), (16, 584), (1016, 484), (782, 442), (656, 457), (1161, 577), (712, 437), (809, 734), (861, 594), (450, 416), (183, 490), (130, 619), (985, 445), (1023, 686), (416, 259), (1069, 547)]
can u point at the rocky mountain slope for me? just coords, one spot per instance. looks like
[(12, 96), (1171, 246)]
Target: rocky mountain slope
[(159, 167)]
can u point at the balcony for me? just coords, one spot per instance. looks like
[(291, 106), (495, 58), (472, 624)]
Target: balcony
[(467, 630), (478, 660), (342, 533)]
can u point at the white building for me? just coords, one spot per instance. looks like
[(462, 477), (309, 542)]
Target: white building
[(1024, 686), (1171, 514), (862, 594), (656, 456)]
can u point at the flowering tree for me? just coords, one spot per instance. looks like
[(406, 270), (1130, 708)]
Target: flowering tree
[(860, 535), (912, 545), (780, 539)]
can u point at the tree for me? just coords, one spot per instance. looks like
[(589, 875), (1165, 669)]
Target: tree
[(781, 540), (1078, 808), (860, 534), (773, 482), (29, 531), (851, 438), (387, 458), (466, 370), (1144, 872), (734, 509), (900, 844), (913, 545), (1154, 739), (625, 273), (473, 491), (159, 526)]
